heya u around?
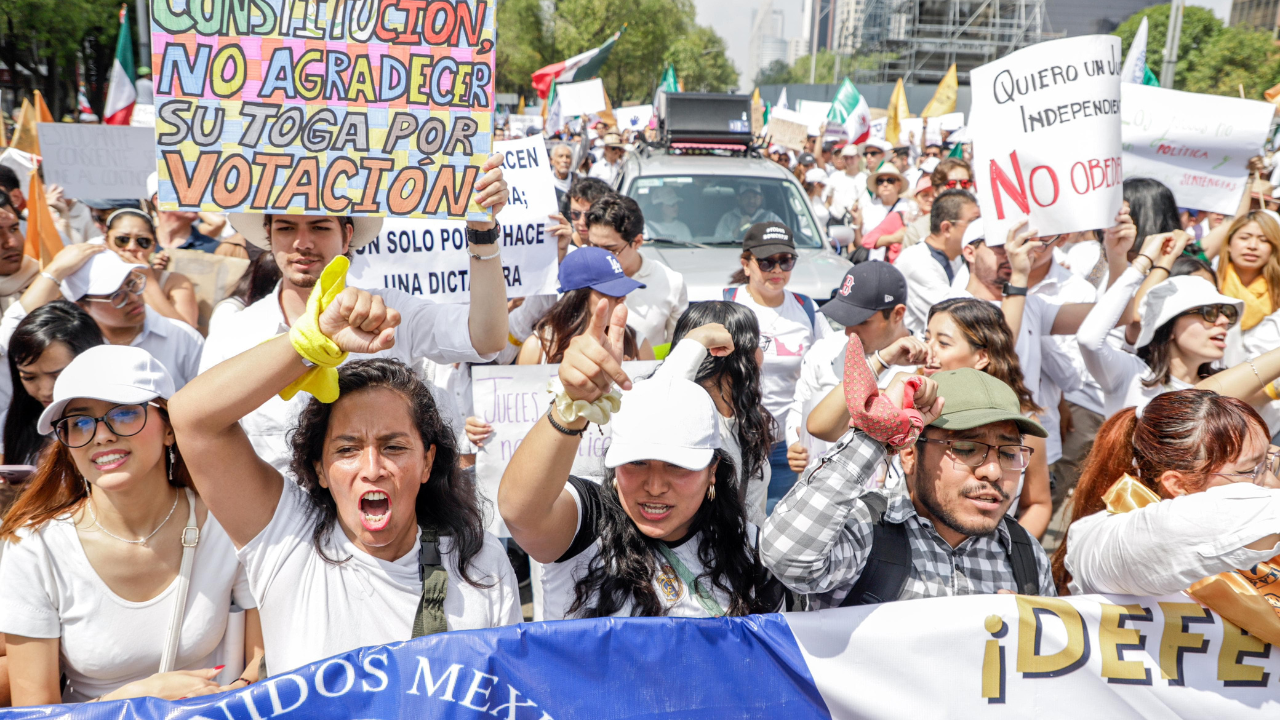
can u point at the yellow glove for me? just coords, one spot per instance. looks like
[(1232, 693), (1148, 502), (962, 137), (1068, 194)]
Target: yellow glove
[(321, 380)]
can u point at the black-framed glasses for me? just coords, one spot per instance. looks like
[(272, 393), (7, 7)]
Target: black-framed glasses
[(973, 454), (1270, 465), (133, 285), (765, 343), (783, 262), (1211, 313), (122, 420), (869, 153), (143, 242), (577, 214)]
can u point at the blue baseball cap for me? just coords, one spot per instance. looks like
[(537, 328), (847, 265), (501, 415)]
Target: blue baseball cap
[(595, 268)]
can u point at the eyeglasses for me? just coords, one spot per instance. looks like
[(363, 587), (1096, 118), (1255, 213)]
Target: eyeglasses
[(615, 251), (577, 214), (122, 420), (765, 342), (886, 181), (118, 299), (1211, 313), (782, 262), (869, 153), (962, 184), (1269, 466), (143, 242), (973, 454)]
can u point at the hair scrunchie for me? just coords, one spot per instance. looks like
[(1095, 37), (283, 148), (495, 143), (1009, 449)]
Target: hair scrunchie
[(873, 413), (312, 344)]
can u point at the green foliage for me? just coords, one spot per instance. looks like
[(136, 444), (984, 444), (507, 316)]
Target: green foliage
[(779, 73), (701, 63), (1199, 27), (524, 44), (39, 40), (1236, 57)]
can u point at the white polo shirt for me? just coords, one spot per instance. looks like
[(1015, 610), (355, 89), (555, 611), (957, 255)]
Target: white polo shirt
[(927, 283), (652, 311), (434, 331)]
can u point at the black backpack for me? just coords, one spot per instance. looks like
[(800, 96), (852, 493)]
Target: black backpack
[(887, 569)]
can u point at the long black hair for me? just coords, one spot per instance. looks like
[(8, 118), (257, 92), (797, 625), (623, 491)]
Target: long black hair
[(737, 374), (56, 322), (1158, 355), (568, 319), (1152, 207), (624, 569), (447, 503)]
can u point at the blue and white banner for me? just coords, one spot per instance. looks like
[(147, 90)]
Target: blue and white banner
[(998, 656)]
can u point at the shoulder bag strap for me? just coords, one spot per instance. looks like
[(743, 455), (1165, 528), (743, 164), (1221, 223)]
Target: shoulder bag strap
[(190, 538), (889, 564), (1022, 558), (430, 618)]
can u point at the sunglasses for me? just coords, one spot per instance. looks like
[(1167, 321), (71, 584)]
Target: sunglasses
[(577, 214), (782, 262), (118, 299), (869, 153), (143, 242), (765, 342), (886, 181), (1211, 313), (122, 421), (962, 184)]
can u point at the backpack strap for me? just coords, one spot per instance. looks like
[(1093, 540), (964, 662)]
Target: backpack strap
[(1022, 556), (729, 293), (430, 618), (889, 564), (810, 309)]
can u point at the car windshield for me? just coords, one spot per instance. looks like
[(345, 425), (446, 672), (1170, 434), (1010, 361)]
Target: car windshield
[(717, 210)]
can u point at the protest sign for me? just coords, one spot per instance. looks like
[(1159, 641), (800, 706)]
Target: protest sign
[(1045, 125), (815, 115), (788, 129), (430, 257), (214, 277), (341, 108), (581, 98), (1195, 144), (97, 162), (524, 124), (878, 127), (1111, 657), (143, 116), (512, 398), (635, 117)]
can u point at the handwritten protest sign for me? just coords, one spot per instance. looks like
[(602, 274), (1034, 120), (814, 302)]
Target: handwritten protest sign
[(1045, 125), (512, 398), (788, 129), (303, 106), (214, 278), (97, 162), (429, 257), (1200, 150)]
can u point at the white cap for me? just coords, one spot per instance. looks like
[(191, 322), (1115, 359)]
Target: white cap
[(667, 419), (1175, 296), (881, 143), (974, 232), (929, 165), (849, 150), (112, 373), (816, 175), (102, 274)]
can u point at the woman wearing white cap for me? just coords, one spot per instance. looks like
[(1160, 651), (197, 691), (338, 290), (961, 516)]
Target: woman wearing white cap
[(1184, 326), (381, 537), (114, 572), (132, 235), (665, 534), (815, 187), (112, 292)]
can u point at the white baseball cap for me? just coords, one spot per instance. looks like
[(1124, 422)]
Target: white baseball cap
[(111, 373), (975, 232), (884, 145), (250, 225), (1174, 297), (667, 419), (102, 274), (816, 175)]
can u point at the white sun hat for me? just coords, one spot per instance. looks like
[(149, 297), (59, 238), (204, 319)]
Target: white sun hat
[(1174, 297), (668, 419), (250, 226), (112, 373)]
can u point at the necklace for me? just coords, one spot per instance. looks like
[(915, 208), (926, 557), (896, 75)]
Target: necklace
[(144, 540)]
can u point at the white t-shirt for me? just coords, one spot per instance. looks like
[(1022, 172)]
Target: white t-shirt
[(791, 335), (560, 577), (312, 609), (652, 311), (48, 589)]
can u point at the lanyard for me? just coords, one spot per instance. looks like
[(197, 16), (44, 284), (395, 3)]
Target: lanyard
[(705, 599)]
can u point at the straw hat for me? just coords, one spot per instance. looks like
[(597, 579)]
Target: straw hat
[(886, 170)]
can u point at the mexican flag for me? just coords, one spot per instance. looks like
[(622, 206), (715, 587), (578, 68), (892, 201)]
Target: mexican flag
[(121, 93), (850, 110), (670, 83), (1135, 69), (583, 66)]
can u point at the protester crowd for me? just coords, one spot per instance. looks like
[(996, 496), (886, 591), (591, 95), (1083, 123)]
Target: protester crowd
[(297, 478)]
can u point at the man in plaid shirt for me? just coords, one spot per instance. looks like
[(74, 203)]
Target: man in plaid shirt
[(961, 476)]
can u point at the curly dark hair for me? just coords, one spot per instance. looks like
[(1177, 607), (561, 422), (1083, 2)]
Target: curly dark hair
[(447, 503), (624, 568), (738, 373)]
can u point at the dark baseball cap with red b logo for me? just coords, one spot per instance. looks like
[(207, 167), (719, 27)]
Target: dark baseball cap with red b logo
[(866, 289)]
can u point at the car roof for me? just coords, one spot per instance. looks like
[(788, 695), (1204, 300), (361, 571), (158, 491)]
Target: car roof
[(663, 164)]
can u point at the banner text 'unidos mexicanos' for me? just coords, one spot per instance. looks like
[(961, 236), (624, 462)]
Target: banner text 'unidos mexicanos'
[(366, 107)]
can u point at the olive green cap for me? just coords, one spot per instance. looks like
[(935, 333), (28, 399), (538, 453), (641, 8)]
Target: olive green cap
[(974, 398)]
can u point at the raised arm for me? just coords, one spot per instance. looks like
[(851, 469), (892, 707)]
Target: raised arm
[(241, 489), (1017, 248), (487, 320), (44, 290), (1212, 242), (1111, 367), (532, 499)]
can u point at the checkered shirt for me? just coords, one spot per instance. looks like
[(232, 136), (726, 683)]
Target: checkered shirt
[(818, 538)]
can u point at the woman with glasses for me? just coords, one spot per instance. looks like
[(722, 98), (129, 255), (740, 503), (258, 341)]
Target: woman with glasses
[(950, 174), (132, 235), (1183, 491), (97, 544), (969, 333), (112, 291), (789, 326)]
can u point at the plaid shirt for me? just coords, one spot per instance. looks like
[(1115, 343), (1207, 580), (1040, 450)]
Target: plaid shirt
[(818, 538)]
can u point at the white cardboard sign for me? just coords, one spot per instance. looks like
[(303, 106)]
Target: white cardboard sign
[(429, 257), (1045, 124), (511, 398), (634, 117), (97, 162), (581, 98), (1195, 144)]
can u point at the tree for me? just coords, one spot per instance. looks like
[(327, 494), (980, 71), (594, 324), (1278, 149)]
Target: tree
[(524, 44), (40, 41), (826, 65), (701, 63), (1236, 57), (777, 73), (1199, 26)]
